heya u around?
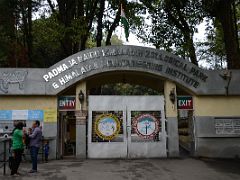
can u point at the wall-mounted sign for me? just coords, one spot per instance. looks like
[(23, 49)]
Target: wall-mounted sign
[(50, 115), (227, 126), (146, 126), (5, 115), (184, 102), (66, 102), (35, 115), (21, 115), (107, 126)]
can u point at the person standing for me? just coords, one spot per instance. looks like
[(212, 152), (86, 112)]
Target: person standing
[(17, 147), (46, 150), (35, 144)]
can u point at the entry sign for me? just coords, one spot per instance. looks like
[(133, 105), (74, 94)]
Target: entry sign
[(184, 102), (66, 102)]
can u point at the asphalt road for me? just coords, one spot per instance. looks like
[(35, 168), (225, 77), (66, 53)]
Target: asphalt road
[(143, 169)]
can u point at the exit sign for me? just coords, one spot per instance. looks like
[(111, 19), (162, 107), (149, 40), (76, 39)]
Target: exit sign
[(184, 102)]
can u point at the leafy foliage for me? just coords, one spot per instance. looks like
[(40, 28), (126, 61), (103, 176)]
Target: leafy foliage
[(127, 89), (64, 27)]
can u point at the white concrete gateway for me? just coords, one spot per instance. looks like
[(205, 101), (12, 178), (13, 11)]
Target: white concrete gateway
[(198, 109), (126, 127)]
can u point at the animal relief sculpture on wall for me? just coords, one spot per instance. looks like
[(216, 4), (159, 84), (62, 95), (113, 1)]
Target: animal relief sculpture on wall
[(12, 77)]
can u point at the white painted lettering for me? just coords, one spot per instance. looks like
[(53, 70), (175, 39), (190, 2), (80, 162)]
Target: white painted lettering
[(51, 75), (60, 69), (62, 81), (72, 62), (65, 67), (55, 72), (55, 85), (83, 70), (68, 77), (46, 77), (80, 59)]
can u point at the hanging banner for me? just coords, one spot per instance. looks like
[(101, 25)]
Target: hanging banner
[(66, 102), (185, 102)]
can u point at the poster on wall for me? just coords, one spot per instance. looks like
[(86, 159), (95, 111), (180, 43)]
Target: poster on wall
[(19, 114), (146, 126), (31, 115), (5, 115), (107, 126), (35, 115), (50, 115)]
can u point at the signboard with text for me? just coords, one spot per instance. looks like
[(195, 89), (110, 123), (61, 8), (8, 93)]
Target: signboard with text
[(50, 115), (30, 115), (5, 115), (184, 102), (66, 102)]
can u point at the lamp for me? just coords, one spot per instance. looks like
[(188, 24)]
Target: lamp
[(81, 98), (172, 96)]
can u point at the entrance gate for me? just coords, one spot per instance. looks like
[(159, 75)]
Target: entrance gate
[(126, 127)]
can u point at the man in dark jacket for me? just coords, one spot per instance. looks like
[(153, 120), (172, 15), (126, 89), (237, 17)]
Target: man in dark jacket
[(35, 144)]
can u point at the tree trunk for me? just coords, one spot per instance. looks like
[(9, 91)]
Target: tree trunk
[(114, 25), (190, 47), (30, 37), (225, 16), (100, 24), (90, 14), (181, 23), (67, 10)]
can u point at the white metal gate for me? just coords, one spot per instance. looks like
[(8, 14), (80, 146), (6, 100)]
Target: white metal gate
[(126, 127)]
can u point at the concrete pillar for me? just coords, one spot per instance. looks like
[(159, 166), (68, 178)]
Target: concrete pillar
[(172, 121), (81, 119)]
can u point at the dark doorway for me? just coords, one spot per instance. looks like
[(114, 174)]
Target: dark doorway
[(67, 133), (186, 133)]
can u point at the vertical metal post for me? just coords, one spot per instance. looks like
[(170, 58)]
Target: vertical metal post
[(4, 157)]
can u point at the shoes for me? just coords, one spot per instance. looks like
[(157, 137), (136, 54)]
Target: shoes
[(32, 171), (15, 175)]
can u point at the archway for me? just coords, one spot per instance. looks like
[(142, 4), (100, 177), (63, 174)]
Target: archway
[(159, 70)]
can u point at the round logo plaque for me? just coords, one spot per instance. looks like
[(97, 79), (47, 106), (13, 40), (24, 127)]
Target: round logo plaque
[(146, 126), (107, 126)]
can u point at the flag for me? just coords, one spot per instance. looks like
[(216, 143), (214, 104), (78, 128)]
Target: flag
[(125, 23)]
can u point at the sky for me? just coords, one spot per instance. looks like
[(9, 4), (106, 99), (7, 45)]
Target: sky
[(132, 40)]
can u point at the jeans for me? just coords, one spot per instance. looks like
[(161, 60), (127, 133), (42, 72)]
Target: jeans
[(34, 155), (17, 160)]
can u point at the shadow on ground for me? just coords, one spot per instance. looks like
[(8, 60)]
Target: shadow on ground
[(223, 165)]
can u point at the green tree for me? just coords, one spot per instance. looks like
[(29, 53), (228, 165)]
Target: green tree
[(127, 89), (224, 12), (173, 25), (212, 50)]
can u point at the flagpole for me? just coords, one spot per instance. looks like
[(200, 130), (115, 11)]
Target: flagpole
[(125, 23)]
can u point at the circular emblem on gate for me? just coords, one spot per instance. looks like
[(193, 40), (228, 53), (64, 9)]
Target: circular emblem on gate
[(107, 126), (146, 126)]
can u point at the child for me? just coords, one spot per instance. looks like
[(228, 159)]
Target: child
[(46, 150)]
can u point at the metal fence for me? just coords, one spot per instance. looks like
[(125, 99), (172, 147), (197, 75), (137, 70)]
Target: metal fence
[(5, 144)]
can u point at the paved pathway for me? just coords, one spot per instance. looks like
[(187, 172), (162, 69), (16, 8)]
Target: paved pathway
[(148, 169)]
